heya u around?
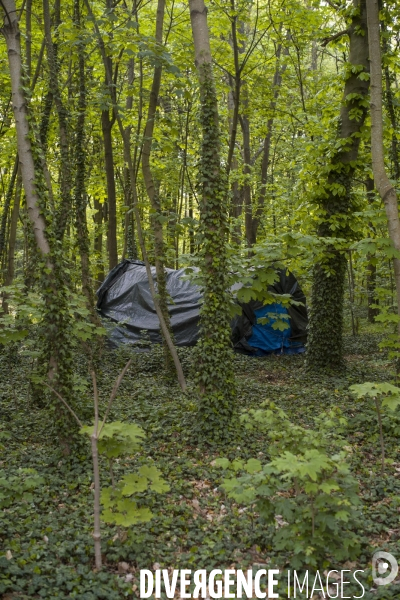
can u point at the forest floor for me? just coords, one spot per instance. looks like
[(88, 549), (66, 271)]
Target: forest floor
[(46, 548)]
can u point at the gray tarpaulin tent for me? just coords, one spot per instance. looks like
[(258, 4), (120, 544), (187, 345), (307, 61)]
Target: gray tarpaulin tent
[(125, 299)]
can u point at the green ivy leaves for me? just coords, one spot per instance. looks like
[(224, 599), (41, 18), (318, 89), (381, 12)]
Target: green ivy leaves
[(19, 487)]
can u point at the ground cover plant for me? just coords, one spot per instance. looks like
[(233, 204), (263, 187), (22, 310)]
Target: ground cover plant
[(47, 549)]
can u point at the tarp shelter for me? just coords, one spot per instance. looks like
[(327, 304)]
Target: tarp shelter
[(125, 299)]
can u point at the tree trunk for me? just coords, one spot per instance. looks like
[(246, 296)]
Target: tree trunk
[(215, 368), (325, 339), (98, 242), (258, 211), (246, 190), (154, 295), (106, 126), (382, 182), (130, 248), (56, 318), (6, 208), (80, 172), (153, 190), (64, 210), (9, 277), (371, 267), (11, 33)]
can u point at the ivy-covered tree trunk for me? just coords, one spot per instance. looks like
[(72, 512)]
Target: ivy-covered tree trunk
[(55, 325), (325, 339), (215, 365)]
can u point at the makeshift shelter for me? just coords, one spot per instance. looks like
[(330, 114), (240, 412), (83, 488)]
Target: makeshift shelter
[(125, 299)]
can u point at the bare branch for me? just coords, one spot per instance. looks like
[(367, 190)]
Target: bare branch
[(65, 403), (114, 392), (333, 37)]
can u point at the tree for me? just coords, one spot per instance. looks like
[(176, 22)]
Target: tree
[(334, 197), (383, 184), (57, 345), (215, 370)]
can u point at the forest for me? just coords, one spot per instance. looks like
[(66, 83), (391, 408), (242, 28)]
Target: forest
[(199, 299)]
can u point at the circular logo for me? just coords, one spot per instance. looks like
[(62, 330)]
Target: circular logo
[(380, 566)]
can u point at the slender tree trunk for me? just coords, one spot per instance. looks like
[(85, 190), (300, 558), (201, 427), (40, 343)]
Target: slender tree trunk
[(154, 295), (325, 339), (11, 33), (129, 243), (191, 230), (106, 126), (6, 208), (246, 190), (98, 243), (382, 182), (80, 173), (153, 189), (265, 163), (371, 266), (236, 191), (9, 277), (64, 210), (215, 367), (56, 319)]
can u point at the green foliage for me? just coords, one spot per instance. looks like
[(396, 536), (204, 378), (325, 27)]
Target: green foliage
[(120, 503), (196, 526), (19, 487), (389, 392), (307, 485), (117, 438)]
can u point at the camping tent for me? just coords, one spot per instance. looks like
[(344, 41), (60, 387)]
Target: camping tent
[(125, 299)]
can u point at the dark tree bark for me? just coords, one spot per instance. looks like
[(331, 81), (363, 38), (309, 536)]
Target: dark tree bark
[(106, 127), (12, 238), (325, 340), (80, 172), (64, 209), (130, 248), (98, 243), (371, 266), (6, 208)]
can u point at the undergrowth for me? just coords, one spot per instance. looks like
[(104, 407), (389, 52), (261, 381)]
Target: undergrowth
[(46, 549)]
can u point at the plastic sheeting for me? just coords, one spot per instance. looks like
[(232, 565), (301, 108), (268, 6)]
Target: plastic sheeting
[(124, 299)]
